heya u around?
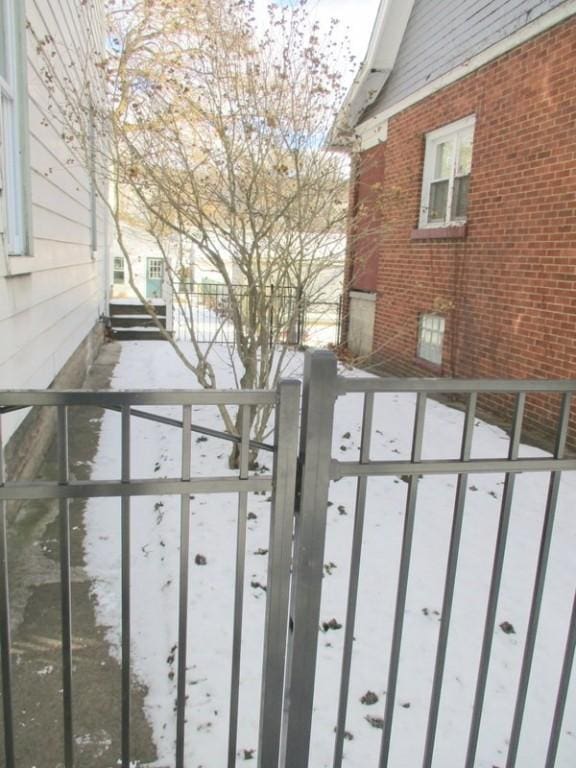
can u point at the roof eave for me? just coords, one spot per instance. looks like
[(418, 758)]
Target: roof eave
[(385, 40)]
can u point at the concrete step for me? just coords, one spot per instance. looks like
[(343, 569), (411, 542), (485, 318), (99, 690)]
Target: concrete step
[(135, 321), (134, 307), (138, 333)]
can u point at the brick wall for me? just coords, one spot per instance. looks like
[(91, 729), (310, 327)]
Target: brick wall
[(507, 289)]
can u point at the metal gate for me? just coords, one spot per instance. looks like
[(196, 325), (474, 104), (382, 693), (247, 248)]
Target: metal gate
[(322, 387), (280, 482), (299, 483)]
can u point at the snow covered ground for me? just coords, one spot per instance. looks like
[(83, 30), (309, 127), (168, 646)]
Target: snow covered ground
[(156, 452)]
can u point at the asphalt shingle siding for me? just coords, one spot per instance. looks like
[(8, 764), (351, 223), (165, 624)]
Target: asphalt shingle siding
[(442, 34)]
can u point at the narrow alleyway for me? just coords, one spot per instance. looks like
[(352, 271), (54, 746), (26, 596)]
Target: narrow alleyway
[(36, 621)]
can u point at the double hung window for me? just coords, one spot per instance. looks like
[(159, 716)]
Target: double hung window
[(447, 166)]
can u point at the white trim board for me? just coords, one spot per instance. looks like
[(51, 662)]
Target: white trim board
[(387, 35), (375, 130)]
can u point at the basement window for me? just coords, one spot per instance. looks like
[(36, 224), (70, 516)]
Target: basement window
[(431, 338), (446, 179)]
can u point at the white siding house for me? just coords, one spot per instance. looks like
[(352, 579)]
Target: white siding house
[(53, 239)]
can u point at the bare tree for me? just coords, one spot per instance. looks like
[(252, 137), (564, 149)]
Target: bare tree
[(212, 135)]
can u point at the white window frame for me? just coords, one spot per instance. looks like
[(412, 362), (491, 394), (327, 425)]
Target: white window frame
[(155, 268), (457, 131), (431, 329), (117, 269), (14, 172)]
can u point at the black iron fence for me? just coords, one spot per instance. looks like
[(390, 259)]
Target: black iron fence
[(214, 313)]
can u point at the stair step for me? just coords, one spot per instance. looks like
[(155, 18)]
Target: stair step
[(133, 334), (135, 321), (123, 308)]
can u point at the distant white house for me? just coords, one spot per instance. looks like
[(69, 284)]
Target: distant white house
[(53, 231), (159, 273), (148, 263)]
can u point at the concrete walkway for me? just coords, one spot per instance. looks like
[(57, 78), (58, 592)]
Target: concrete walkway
[(36, 625)]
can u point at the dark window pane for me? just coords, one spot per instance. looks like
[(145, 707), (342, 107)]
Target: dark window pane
[(438, 201), (460, 197)]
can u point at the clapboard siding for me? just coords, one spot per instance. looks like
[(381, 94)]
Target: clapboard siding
[(46, 313), (45, 287), (51, 157), (46, 356), (41, 356), (21, 328), (51, 192), (52, 225), (441, 34)]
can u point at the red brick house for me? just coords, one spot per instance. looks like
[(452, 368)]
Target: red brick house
[(462, 126)]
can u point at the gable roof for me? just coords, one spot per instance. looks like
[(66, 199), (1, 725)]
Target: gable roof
[(421, 46)]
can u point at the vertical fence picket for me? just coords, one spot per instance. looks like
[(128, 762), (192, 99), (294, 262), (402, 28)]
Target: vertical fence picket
[(362, 485), (183, 586), (498, 564), (125, 577), (545, 542), (562, 690), (239, 587), (450, 580), (65, 587), (402, 588)]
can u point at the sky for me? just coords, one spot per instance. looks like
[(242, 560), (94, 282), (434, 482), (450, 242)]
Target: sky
[(355, 15), (356, 18)]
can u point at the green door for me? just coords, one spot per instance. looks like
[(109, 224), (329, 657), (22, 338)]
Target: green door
[(154, 278)]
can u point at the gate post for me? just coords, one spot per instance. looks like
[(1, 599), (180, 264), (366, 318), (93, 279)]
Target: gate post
[(278, 581), (319, 397)]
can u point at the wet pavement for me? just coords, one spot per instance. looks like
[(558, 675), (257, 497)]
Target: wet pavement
[(34, 572)]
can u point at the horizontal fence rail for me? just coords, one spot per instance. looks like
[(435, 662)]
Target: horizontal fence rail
[(446, 467), (449, 386), (119, 401), (322, 387), (255, 444), (285, 401), (26, 398)]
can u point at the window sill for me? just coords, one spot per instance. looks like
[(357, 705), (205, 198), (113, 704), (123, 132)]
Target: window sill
[(19, 265), (428, 365), (455, 232)]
